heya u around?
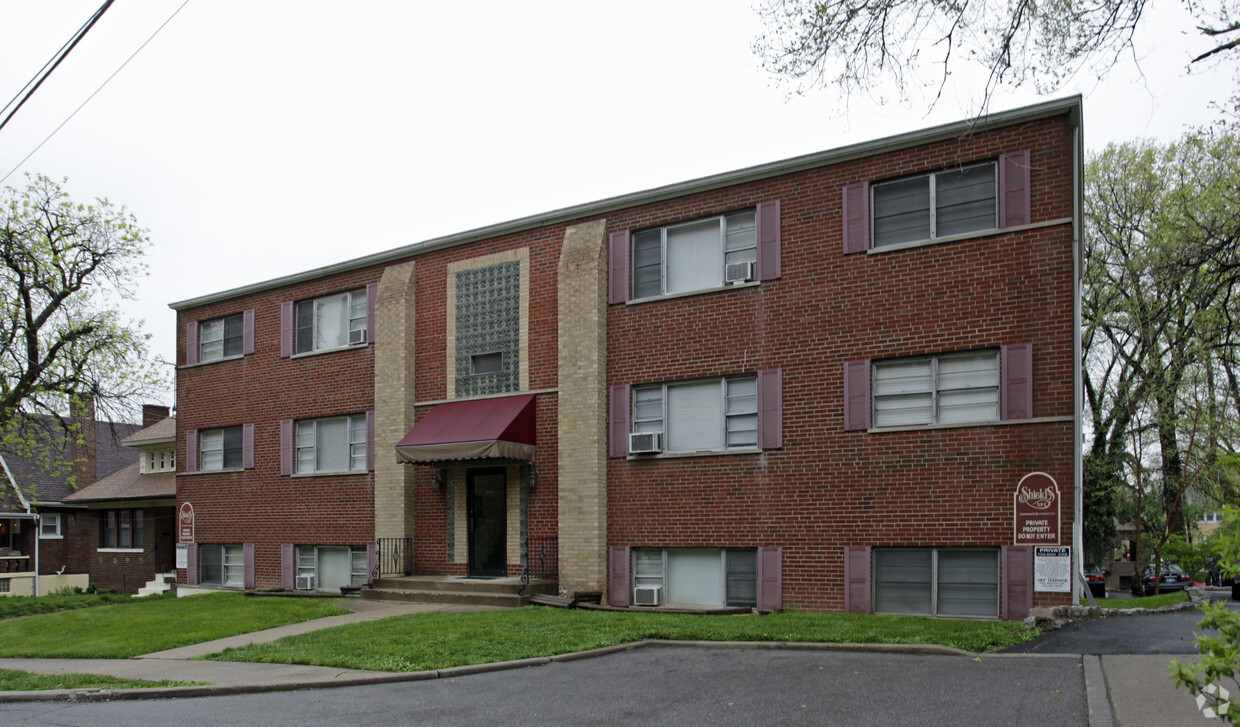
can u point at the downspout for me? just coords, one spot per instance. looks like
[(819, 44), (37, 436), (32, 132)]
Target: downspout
[(1078, 525)]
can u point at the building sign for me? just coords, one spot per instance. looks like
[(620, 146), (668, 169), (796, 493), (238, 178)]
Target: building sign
[(1052, 569), (1036, 504), (185, 523), (183, 556)]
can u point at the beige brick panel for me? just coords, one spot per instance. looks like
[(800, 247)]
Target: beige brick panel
[(582, 426), (394, 379)]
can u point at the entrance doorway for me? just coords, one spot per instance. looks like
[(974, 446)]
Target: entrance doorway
[(487, 498)]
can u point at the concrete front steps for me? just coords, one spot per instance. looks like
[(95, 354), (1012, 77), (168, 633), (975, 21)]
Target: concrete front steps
[(497, 592), (161, 583)]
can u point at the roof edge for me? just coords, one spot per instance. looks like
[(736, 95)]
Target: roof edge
[(1070, 105)]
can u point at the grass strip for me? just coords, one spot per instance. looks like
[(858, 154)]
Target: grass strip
[(442, 640), (142, 626), (12, 680), (17, 606)]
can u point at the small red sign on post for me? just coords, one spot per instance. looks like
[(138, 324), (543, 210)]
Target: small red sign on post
[(185, 522), (1036, 505)]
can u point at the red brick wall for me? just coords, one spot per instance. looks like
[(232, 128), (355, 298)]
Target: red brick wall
[(127, 572)]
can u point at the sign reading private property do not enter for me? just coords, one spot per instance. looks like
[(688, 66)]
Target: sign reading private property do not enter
[(1036, 504)]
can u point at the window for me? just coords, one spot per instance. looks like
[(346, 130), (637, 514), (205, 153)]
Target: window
[(221, 449), (49, 526), (692, 256), (695, 577), (332, 444), (4, 585), (121, 529), (159, 460), (221, 338), (698, 416), (221, 565), (695, 256), (937, 390), (486, 363), (332, 321), (326, 568), (936, 205), (1212, 517), (937, 582)]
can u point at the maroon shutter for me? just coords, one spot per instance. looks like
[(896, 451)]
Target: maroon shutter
[(288, 566), (1017, 582), (856, 218), (372, 559), (770, 578), (191, 343), (247, 446), (247, 331), (618, 424), (771, 409), (286, 328), (618, 267), (191, 564), (1016, 375), (286, 446), (857, 579), (370, 441), (769, 262), (247, 551), (191, 450), (857, 395), (372, 295), (618, 576), (1015, 203)]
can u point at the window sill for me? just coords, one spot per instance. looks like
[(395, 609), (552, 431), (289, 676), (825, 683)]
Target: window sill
[(969, 425), (330, 474), (320, 352), (978, 235), (136, 551), (51, 537), (212, 361), (702, 453), (687, 293), (211, 472)]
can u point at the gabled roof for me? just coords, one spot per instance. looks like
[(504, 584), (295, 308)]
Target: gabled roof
[(34, 478), (164, 430), (128, 484)]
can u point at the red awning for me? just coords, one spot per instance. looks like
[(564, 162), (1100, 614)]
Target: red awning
[(477, 429)]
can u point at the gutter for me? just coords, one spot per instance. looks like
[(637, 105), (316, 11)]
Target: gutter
[(1078, 498), (1070, 105)]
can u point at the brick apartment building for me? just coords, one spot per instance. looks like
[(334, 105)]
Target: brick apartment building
[(815, 384)]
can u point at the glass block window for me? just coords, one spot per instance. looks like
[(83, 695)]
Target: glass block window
[(488, 329)]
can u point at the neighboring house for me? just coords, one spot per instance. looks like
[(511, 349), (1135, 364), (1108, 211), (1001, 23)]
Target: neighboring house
[(132, 512), (841, 382), (39, 514)]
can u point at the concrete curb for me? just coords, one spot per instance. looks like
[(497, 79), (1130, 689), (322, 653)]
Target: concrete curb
[(1096, 692)]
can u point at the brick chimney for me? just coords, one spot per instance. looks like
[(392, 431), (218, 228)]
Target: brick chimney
[(152, 413), (83, 454)]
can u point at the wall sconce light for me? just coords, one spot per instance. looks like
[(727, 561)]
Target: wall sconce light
[(437, 479), (533, 477)]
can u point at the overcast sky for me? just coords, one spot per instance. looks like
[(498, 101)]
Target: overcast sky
[(259, 138)]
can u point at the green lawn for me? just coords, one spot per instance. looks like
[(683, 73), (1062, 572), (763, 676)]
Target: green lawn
[(21, 681), (14, 606), (436, 641), (141, 626)]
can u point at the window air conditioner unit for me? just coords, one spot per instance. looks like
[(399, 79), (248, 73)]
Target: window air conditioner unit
[(645, 443), (647, 595), (305, 583), (738, 273), (357, 336)]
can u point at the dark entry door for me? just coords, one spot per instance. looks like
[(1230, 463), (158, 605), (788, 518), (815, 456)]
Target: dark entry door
[(488, 509)]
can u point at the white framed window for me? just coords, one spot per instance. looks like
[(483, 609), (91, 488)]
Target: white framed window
[(947, 389), (49, 526), (220, 449), (4, 585), (221, 338), (696, 416), (693, 255), (937, 581), (331, 321), (159, 460), (331, 444), (1212, 517), (221, 565), (329, 567), (486, 363), (951, 202), (695, 577)]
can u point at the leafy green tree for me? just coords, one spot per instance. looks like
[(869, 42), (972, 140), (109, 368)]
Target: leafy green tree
[(863, 46), (64, 270)]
